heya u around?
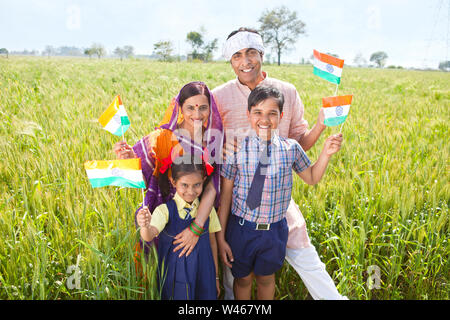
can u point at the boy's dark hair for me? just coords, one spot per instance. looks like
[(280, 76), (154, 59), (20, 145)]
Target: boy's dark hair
[(189, 164), (242, 29), (261, 93)]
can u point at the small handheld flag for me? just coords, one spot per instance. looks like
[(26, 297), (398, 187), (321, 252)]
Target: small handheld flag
[(121, 173), (115, 118), (336, 109), (328, 67)]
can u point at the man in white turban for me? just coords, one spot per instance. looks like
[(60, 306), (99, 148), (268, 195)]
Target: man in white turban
[(245, 50)]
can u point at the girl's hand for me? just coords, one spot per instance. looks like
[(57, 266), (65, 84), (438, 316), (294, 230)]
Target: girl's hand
[(218, 288), (144, 217), (124, 151), (225, 253), (186, 240), (333, 144)]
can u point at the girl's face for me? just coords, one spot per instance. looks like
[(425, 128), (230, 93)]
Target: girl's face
[(195, 111), (189, 186)]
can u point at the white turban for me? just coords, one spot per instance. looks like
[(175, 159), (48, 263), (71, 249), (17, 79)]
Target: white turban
[(242, 40)]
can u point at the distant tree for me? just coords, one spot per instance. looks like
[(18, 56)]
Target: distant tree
[(49, 51), (163, 49), (68, 51), (444, 66), (209, 49), (124, 52), (201, 49), (89, 52), (280, 28), (97, 49), (4, 51), (195, 39), (359, 60), (379, 58), (129, 51), (119, 52)]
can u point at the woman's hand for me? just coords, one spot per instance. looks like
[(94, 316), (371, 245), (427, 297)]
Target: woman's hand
[(124, 151), (186, 240)]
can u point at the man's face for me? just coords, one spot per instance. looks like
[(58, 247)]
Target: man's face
[(246, 63), (265, 117)]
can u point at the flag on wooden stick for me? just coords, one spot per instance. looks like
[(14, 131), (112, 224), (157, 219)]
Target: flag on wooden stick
[(328, 67), (336, 109), (121, 173), (115, 118)]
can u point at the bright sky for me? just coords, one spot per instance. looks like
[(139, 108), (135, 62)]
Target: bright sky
[(412, 32)]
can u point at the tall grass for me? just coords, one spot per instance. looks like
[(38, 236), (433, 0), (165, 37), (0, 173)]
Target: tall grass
[(384, 200)]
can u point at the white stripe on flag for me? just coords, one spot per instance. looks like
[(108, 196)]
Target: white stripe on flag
[(133, 175), (338, 111), (327, 67)]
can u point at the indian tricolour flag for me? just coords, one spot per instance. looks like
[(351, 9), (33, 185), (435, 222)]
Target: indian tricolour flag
[(120, 173), (336, 109), (328, 67), (115, 118)]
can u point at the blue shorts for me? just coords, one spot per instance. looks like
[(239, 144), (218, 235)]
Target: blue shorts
[(260, 251)]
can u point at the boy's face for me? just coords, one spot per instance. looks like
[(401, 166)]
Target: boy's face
[(265, 117)]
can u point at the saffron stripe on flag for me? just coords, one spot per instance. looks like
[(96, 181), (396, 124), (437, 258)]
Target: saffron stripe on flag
[(337, 101), (110, 111), (126, 164), (329, 59)]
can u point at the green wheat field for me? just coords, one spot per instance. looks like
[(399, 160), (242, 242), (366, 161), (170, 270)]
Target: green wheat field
[(383, 202)]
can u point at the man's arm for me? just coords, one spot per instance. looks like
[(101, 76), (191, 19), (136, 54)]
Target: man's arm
[(310, 137), (299, 126)]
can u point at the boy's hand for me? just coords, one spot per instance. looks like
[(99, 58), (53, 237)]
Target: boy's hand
[(124, 151), (225, 253), (333, 144), (144, 217)]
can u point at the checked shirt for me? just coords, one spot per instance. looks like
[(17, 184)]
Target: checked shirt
[(286, 155)]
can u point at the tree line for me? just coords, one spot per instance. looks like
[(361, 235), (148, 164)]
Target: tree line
[(280, 29)]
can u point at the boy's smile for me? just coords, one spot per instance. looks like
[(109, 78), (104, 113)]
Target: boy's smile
[(265, 117)]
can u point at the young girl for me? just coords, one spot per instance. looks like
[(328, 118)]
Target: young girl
[(193, 113), (195, 276)]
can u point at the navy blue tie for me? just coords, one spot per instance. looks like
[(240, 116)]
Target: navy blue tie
[(188, 210), (256, 188)]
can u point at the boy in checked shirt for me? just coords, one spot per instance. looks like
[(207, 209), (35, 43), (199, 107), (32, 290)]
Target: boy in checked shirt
[(257, 185)]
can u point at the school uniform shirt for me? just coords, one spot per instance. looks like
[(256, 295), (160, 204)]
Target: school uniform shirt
[(285, 155), (160, 216), (231, 99)]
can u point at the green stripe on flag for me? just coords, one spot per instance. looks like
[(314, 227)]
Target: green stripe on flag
[(327, 76), (334, 121), (121, 130), (125, 121), (116, 181)]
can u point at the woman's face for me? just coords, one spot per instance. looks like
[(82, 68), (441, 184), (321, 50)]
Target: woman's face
[(195, 111)]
